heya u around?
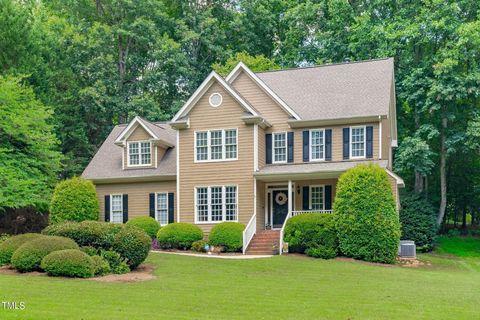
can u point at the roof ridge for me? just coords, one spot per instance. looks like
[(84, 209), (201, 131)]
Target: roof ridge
[(325, 65)]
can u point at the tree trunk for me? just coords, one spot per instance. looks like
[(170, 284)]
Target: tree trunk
[(419, 178), (443, 175), (464, 218)]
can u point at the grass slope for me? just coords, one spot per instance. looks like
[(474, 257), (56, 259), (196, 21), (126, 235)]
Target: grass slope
[(287, 287), (460, 246)]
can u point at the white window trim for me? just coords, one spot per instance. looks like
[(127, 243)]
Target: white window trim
[(273, 146), (111, 206), (310, 195), (210, 100), (209, 203), (139, 154), (209, 146), (156, 207), (364, 142), (310, 144)]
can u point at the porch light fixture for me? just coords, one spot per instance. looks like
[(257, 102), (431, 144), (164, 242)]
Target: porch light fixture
[(298, 190)]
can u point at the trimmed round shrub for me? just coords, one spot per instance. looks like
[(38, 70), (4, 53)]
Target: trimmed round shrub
[(179, 235), (132, 244), (100, 266), (118, 265), (418, 220), (227, 234), (368, 226), (87, 233), (147, 224), (74, 200), (312, 233), (199, 246), (8, 247), (29, 255), (68, 263)]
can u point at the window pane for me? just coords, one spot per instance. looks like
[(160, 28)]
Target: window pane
[(317, 144), (216, 203), (116, 215), (134, 153), (358, 142), (231, 203), (316, 194), (202, 204), (145, 152), (279, 147), (230, 144), (202, 149), (162, 208), (216, 144)]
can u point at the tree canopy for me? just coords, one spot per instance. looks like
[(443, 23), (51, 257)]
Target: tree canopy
[(100, 63)]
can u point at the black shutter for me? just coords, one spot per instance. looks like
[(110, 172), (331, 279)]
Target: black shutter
[(346, 143), (306, 146), (170, 207), (152, 205), (290, 147), (107, 208), (328, 144), (306, 195), (328, 197), (369, 142), (268, 148), (125, 207)]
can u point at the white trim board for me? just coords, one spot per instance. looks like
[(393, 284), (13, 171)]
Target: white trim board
[(242, 67), (206, 84), (130, 128)]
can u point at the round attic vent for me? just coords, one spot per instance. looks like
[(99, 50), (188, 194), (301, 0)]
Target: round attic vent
[(215, 99)]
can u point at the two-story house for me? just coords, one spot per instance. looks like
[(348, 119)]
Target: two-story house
[(255, 148)]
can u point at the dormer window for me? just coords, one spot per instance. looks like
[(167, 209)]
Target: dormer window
[(139, 153)]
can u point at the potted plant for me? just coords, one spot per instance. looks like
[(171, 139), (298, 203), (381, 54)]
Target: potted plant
[(275, 250)]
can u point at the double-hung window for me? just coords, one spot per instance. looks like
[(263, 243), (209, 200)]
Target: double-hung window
[(216, 204), (161, 212), (216, 145), (116, 208), (139, 153), (317, 144), (317, 197), (279, 147), (357, 141)]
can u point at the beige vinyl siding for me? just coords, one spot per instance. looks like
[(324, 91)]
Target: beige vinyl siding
[(260, 205), (138, 195), (140, 134), (394, 186), (386, 141), (262, 102), (221, 173)]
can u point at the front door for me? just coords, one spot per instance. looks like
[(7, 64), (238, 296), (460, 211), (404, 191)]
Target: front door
[(279, 207)]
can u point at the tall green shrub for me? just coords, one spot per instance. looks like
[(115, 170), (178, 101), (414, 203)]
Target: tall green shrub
[(74, 200), (147, 224), (368, 223), (418, 219)]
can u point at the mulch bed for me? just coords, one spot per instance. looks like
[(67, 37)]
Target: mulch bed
[(143, 273)]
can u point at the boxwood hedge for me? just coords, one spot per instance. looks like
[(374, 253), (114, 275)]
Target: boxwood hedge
[(227, 234), (179, 235), (147, 224), (68, 263), (312, 233), (28, 256), (8, 247), (132, 244)]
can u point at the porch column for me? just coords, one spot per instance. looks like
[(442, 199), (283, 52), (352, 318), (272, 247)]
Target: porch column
[(290, 203)]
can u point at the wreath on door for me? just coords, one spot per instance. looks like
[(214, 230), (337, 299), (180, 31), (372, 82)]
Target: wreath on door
[(281, 198)]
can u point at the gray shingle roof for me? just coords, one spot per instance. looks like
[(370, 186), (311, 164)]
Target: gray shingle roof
[(318, 167), (107, 162), (335, 91)]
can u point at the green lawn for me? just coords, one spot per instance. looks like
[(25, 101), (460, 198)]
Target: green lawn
[(460, 246), (287, 287)]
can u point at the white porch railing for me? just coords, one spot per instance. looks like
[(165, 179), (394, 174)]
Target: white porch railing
[(289, 215), (249, 232), (296, 213), (293, 214)]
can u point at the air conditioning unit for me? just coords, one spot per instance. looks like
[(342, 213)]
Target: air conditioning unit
[(407, 249)]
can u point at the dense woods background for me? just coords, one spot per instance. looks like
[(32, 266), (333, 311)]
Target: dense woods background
[(72, 69)]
